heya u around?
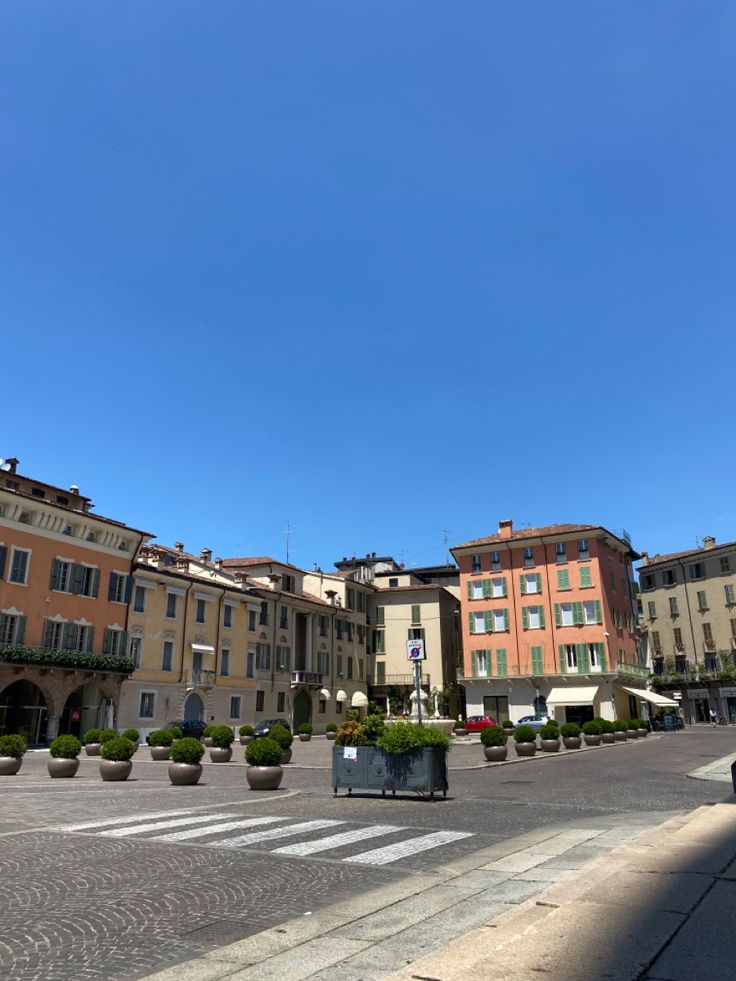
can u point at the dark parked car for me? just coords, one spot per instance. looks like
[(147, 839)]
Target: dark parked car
[(189, 727), (263, 728)]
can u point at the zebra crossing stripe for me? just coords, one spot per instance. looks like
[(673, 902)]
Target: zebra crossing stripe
[(214, 829), (403, 849), (139, 829), (294, 829), (335, 841), (120, 820)]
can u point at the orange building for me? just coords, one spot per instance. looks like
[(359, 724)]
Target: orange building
[(550, 624), (65, 580)]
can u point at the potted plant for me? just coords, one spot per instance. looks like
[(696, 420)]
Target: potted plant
[(12, 749), (508, 725), (222, 738), (643, 729), (263, 757), (494, 740), (330, 730), (526, 741), (133, 735), (64, 756), (549, 736), (620, 729), (608, 732), (116, 756), (160, 744), (305, 732), (186, 754), (106, 735), (247, 735), (632, 731), (207, 735), (176, 732), (92, 742), (284, 738), (459, 728), (570, 733), (592, 732)]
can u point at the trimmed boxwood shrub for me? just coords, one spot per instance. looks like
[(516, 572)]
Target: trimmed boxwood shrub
[(400, 737), (208, 730), (117, 749), (92, 736), (620, 725), (524, 734), (331, 727), (507, 724), (493, 736), (222, 736), (592, 728), (161, 737), (106, 735), (176, 732), (552, 722), (132, 734), (306, 729), (281, 736), (570, 730), (12, 745), (264, 752), (246, 731), (606, 725), (187, 750), (549, 732), (641, 723), (65, 748)]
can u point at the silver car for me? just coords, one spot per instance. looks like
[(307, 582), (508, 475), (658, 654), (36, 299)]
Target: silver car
[(535, 721)]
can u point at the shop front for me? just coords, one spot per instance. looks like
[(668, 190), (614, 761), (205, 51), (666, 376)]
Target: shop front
[(575, 703)]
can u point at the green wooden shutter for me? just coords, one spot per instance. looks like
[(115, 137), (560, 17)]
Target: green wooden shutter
[(563, 658), (583, 659), (90, 640), (541, 617), (487, 590), (558, 615), (107, 641), (524, 618), (48, 627), (470, 591), (602, 655), (522, 584), (539, 582), (501, 661), (577, 614), (504, 587), (537, 660), (381, 616), (20, 629), (489, 662), (70, 635), (471, 622), (380, 672), (489, 621), (505, 619), (473, 664), (55, 574), (585, 579), (598, 612)]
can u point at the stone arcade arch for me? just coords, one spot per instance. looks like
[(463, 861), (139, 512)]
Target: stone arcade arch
[(194, 707), (24, 709)]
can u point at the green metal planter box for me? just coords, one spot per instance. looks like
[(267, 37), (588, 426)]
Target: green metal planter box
[(421, 770)]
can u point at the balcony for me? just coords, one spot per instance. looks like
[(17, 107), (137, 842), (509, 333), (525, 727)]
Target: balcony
[(200, 679), (632, 670), (306, 679), (387, 680)]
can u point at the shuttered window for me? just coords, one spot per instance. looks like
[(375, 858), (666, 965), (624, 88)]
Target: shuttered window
[(501, 668), (537, 667), (563, 578), (585, 577)]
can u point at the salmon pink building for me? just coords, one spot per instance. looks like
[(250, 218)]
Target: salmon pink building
[(550, 624)]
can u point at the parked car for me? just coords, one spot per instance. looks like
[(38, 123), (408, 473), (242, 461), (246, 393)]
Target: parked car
[(535, 721), (477, 723), (263, 728), (189, 727)]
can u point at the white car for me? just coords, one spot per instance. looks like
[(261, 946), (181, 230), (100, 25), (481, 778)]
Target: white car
[(535, 721)]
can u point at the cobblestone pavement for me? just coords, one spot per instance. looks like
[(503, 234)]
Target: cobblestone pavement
[(87, 904)]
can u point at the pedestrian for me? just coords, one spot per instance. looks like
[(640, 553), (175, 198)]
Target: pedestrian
[(713, 718)]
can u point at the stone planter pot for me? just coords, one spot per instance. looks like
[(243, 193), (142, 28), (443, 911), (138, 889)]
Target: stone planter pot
[(185, 774), (9, 765), (92, 749), (59, 767), (509, 732), (160, 752), (115, 769), (571, 742), (620, 737), (632, 733), (607, 738), (264, 777), (526, 749), (221, 755), (304, 737), (330, 735), (286, 756), (643, 733), (495, 754), (592, 740), (550, 745), (246, 740), (461, 732), (207, 740)]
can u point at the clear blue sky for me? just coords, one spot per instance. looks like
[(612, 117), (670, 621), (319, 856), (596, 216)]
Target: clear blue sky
[(380, 269)]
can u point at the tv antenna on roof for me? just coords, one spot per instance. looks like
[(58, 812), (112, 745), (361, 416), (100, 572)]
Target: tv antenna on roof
[(4, 465)]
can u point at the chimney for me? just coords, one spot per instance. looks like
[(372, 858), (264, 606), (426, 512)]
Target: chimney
[(505, 528), (709, 542), (206, 555), (275, 580), (645, 558), (12, 463), (331, 595), (74, 489), (218, 564), (178, 546)]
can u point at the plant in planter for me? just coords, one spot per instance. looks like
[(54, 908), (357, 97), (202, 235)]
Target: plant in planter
[(494, 741), (620, 730), (643, 728), (284, 738), (64, 756), (160, 744), (632, 731), (459, 729), (247, 735), (305, 732), (106, 735), (608, 732), (221, 750), (92, 742), (508, 724), (570, 733), (592, 732), (186, 754), (526, 741), (207, 735), (12, 750), (549, 736), (330, 730), (133, 735), (264, 764), (116, 756), (176, 732)]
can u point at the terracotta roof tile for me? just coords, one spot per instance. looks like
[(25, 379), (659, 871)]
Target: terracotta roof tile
[(672, 556), (528, 533), (252, 560)]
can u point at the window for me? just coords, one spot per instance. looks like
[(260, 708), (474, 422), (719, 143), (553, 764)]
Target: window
[(19, 566), (380, 616), (477, 623), (263, 657), (379, 642), (591, 611), (647, 582), (495, 561), (730, 595), (288, 583), (416, 613), (477, 588), (702, 601), (361, 634), (235, 706), (679, 646), (482, 663), (656, 642), (283, 618), (652, 608), (61, 575), (339, 665), (476, 563), (167, 657), (532, 617), (393, 583), (571, 657), (360, 668), (52, 635), (380, 672), (501, 664), (338, 708), (350, 627), (670, 577), (263, 618), (201, 611), (135, 651), (565, 618), (25, 518), (339, 625), (118, 590), (725, 564), (500, 620), (171, 605), (561, 552), (350, 666), (350, 598), (147, 705), (585, 577), (249, 665), (696, 570), (583, 550), (529, 556), (531, 582), (87, 582), (139, 600), (324, 623), (593, 656), (12, 627), (674, 612), (225, 663), (361, 601), (323, 663), (252, 626), (416, 633), (708, 636), (259, 701), (114, 642), (283, 658), (280, 701), (227, 617), (322, 707), (563, 579)]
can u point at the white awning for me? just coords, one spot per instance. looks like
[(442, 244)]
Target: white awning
[(359, 700), (325, 693), (203, 648), (341, 696), (574, 695), (653, 697)]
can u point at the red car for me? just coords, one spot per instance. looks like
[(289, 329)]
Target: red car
[(476, 723)]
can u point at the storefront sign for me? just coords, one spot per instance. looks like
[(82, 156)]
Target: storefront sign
[(698, 693)]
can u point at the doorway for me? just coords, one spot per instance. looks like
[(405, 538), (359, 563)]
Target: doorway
[(23, 711), (194, 708), (302, 709)]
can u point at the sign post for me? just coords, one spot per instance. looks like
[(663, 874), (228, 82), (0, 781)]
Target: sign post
[(415, 653)]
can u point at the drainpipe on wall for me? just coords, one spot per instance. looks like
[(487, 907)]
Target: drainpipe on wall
[(689, 613), (184, 632)]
